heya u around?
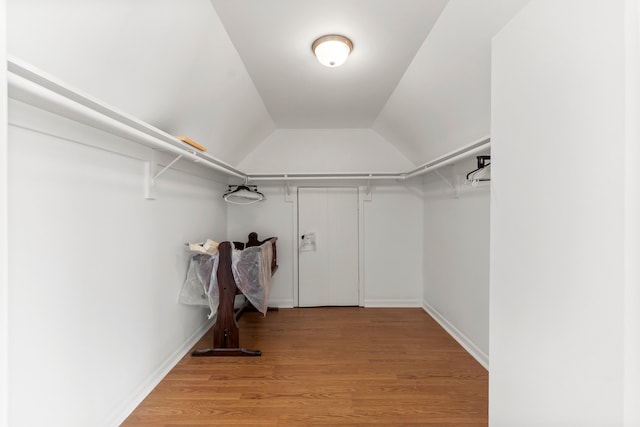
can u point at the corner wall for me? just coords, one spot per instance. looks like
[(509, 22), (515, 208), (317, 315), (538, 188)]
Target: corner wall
[(96, 271), (393, 246), (456, 258)]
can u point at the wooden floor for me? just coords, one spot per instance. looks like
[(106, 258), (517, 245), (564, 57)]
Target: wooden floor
[(326, 366)]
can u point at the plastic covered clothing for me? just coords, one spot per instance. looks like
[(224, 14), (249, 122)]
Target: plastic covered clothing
[(251, 269), (198, 287)]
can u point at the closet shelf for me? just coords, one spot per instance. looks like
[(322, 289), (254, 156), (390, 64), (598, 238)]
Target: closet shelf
[(28, 84), (33, 86), (430, 166)]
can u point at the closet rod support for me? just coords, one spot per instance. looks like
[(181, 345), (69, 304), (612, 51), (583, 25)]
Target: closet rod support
[(287, 187), (164, 169), (149, 178), (453, 185), (445, 179)]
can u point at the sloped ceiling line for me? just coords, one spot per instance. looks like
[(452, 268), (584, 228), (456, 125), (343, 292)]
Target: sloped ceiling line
[(32, 86), (274, 40), (240, 77), (29, 85)]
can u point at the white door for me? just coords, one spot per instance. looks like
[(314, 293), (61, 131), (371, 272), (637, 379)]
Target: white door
[(328, 246)]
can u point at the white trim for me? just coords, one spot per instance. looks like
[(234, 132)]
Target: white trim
[(461, 338), (131, 402), (281, 303), (293, 199), (393, 303), (362, 197)]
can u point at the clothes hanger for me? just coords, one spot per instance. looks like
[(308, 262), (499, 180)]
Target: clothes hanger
[(484, 163), (243, 194)]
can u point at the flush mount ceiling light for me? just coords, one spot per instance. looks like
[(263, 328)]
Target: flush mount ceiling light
[(332, 50)]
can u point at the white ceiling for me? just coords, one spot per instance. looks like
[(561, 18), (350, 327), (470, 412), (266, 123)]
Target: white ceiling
[(231, 74), (443, 101), (273, 39)]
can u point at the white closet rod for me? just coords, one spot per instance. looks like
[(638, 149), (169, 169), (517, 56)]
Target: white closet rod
[(454, 156), (441, 161), (28, 84), (322, 176), (35, 87)]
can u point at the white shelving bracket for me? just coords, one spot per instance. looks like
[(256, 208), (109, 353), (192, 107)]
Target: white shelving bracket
[(454, 185), (288, 197), (287, 188), (164, 169), (445, 179), (367, 190), (150, 174)]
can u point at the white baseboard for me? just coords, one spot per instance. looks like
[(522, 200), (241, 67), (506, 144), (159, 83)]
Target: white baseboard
[(393, 303), (132, 401), (281, 303), (461, 338)]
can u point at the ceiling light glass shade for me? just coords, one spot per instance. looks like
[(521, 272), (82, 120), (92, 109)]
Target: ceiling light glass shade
[(332, 50)]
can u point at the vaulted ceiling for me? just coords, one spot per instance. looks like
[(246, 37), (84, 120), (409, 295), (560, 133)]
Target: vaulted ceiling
[(274, 38), (230, 73)]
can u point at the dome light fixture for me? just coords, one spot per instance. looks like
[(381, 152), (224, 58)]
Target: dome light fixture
[(332, 50)]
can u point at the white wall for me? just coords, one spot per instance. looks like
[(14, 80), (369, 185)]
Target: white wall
[(169, 63), (443, 100), (456, 257), (4, 303), (95, 271), (557, 216), (392, 220), (325, 151), (632, 213), (391, 247)]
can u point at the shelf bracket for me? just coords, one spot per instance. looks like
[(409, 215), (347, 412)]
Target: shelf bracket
[(287, 188), (454, 186), (368, 190), (288, 197), (150, 174), (164, 169)]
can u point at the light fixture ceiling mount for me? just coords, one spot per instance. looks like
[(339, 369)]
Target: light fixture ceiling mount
[(332, 50)]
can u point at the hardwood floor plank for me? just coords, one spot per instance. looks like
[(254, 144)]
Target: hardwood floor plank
[(326, 366)]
